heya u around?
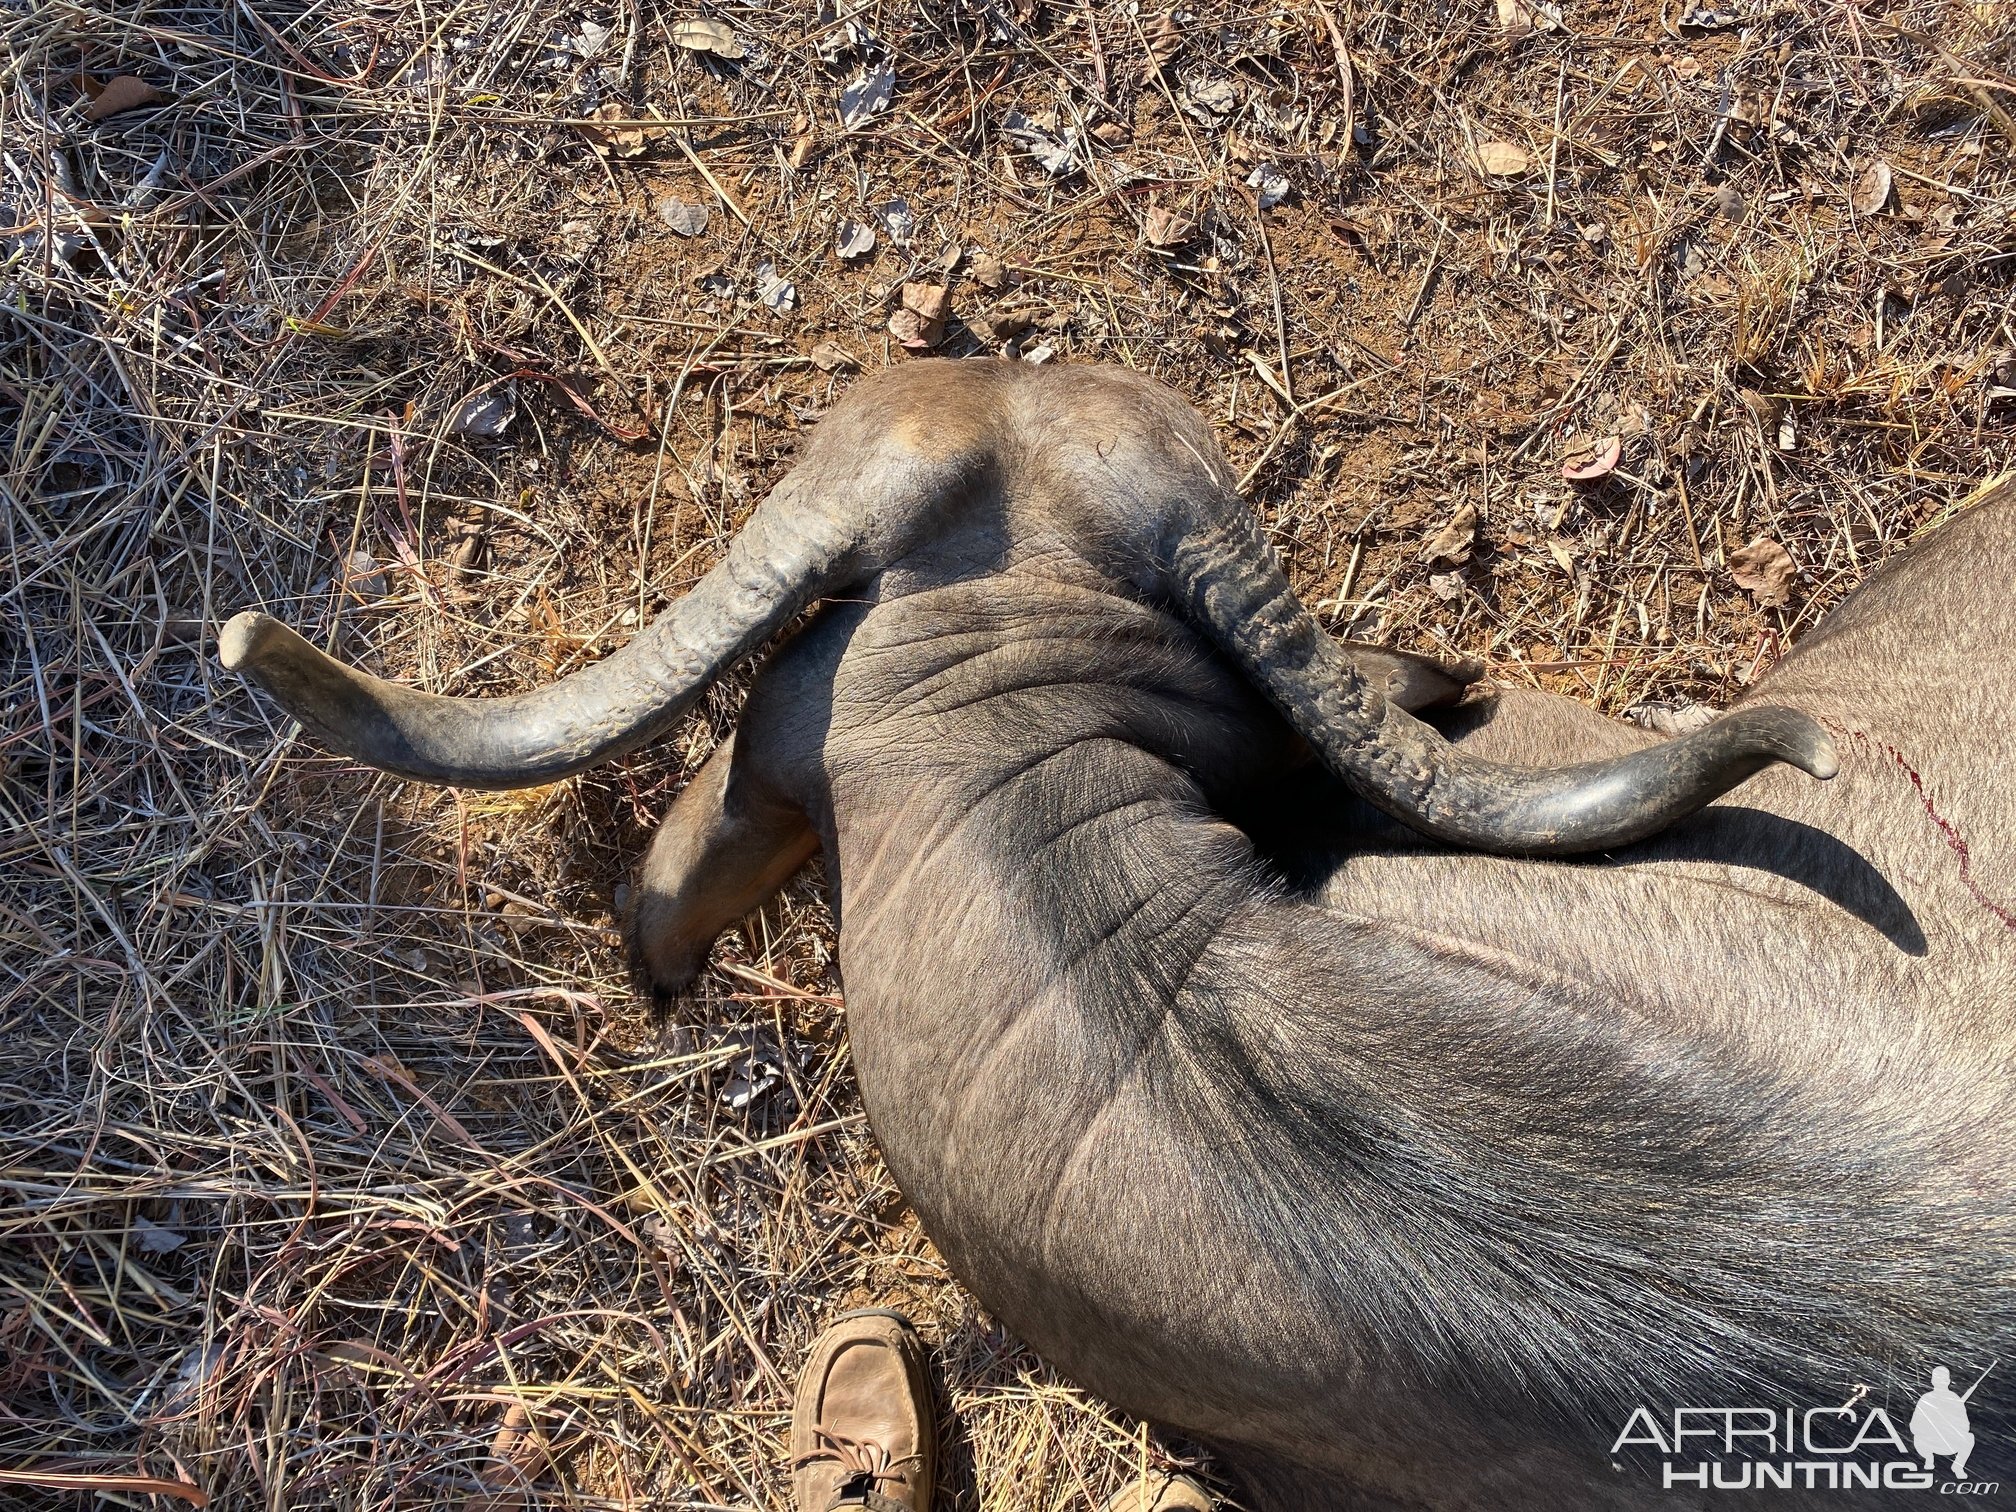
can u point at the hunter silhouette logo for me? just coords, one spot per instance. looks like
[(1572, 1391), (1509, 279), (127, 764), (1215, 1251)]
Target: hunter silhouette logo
[(1939, 1425), (1853, 1447)]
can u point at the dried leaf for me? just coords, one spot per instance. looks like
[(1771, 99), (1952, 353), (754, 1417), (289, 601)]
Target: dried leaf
[(1696, 16), (660, 1234), (1055, 152), (1003, 326), (516, 1452), (763, 1072), (363, 576), (482, 414), (1872, 189), (868, 96), (775, 290), (830, 358), (1269, 185), (615, 134), (1764, 569), (1503, 159), (684, 219), (118, 94), (1765, 408), (1347, 78), (1515, 20), (1593, 459), (1165, 228), (701, 35), (921, 321), (927, 299), (852, 239), (1210, 100), (1451, 545), (989, 272), (1165, 40), (897, 220), (155, 1239)]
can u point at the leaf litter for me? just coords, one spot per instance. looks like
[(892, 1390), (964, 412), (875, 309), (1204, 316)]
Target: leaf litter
[(235, 283)]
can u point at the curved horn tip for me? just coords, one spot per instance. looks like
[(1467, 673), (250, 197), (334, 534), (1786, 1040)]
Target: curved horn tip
[(238, 642), (1797, 739)]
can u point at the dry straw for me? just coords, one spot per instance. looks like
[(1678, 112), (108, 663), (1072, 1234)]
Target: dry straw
[(337, 1167)]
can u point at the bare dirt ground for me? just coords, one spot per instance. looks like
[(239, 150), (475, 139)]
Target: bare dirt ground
[(338, 1166)]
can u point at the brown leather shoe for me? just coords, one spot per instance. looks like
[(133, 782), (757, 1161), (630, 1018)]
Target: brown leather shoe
[(1160, 1492), (862, 1434)]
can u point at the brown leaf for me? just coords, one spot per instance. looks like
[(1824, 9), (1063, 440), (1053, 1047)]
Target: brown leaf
[(1001, 326), (1452, 544), (1515, 20), (1347, 75), (615, 134), (921, 321), (122, 93), (517, 1450), (1592, 460), (1503, 159), (684, 219), (1872, 189), (1165, 40), (989, 272), (700, 35), (830, 357), (1165, 228), (930, 300), (1764, 569)]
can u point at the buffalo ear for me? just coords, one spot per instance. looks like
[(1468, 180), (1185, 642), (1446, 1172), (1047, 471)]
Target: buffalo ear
[(1411, 680)]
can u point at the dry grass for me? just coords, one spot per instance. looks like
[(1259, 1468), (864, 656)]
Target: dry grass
[(336, 1167)]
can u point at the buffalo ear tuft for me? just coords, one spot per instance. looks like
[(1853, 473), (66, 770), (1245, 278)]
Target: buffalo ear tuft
[(662, 1001)]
